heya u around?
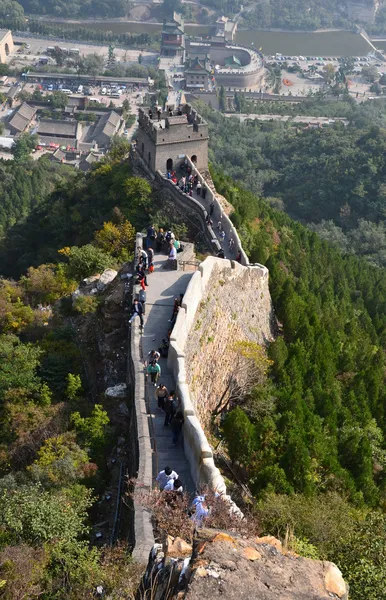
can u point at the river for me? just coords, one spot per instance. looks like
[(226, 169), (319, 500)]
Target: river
[(323, 43)]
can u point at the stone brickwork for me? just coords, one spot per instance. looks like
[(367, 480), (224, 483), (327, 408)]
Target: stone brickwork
[(197, 349), (235, 307), (163, 144)]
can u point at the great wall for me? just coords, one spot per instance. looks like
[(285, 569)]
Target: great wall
[(245, 315), (226, 306)]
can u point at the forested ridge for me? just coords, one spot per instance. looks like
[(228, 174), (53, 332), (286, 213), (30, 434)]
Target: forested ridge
[(54, 441), (331, 178), (309, 440), (313, 434)]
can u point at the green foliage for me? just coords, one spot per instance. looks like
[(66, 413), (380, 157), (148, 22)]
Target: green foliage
[(302, 171), (73, 213), (18, 365), (85, 304), (61, 462), (46, 284), (23, 146), (75, 8), (325, 431), (32, 515), (240, 436), (86, 260), (58, 99), (117, 239), (92, 430)]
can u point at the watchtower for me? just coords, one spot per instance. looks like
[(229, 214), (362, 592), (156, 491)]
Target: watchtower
[(163, 143)]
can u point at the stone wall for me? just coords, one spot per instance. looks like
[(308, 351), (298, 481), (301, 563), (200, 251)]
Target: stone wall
[(215, 278), (235, 306), (143, 529)]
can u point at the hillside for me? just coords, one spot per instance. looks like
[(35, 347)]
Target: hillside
[(309, 440), (331, 179)]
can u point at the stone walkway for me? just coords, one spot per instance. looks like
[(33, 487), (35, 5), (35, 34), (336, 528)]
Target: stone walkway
[(205, 202), (164, 286)]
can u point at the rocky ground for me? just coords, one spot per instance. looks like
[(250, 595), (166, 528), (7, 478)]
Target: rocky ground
[(223, 565)]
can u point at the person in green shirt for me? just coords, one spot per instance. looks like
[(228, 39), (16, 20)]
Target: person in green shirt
[(155, 372)]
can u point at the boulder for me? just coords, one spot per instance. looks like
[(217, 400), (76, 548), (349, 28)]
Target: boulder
[(334, 581), (107, 277), (117, 391), (123, 410), (177, 547)]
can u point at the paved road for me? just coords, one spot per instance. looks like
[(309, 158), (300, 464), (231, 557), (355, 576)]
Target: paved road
[(164, 286), (297, 119)]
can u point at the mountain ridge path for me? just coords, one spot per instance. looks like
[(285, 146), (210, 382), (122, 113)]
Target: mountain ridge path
[(164, 286)]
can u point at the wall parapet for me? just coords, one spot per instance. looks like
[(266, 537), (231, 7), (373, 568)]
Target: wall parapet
[(143, 529), (196, 445)]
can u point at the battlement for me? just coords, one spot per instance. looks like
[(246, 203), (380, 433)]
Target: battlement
[(163, 139)]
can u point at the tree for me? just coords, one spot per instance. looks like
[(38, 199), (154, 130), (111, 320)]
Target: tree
[(18, 365), (126, 105), (32, 515), (46, 284), (117, 240), (60, 462), (376, 88), (222, 99), (240, 436), (92, 430), (58, 55), (329, 73), (171, 6), (370, 73), (58, 99), (93, 64), (86, 260), (23, 146)]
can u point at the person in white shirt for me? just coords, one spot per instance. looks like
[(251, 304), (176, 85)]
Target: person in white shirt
[(172, 253), (202, 511), (174, 485), (164, 476)]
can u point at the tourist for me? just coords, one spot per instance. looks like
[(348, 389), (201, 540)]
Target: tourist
[(159, 113), (172, 253), (164, 476), (198, 188), (160, 240), (169, 407), (222, 235), (161, 395), (231, 244), (181, 299), (176, 306), (174, 485), (141, 275), (177, 423), (153, 355), (204, 190), (174, 317), (200, 514), (182, 183), (136, 311), (170, 111), (150, 256), (238, 256), (221, 253), (211, 208), (208, 221), (142, 257), (154, 370), (150, 236), (150, 113), (164, 348)]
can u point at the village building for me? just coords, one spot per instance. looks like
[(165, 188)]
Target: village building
[(21, 119), (197, 73), (173, 38)]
